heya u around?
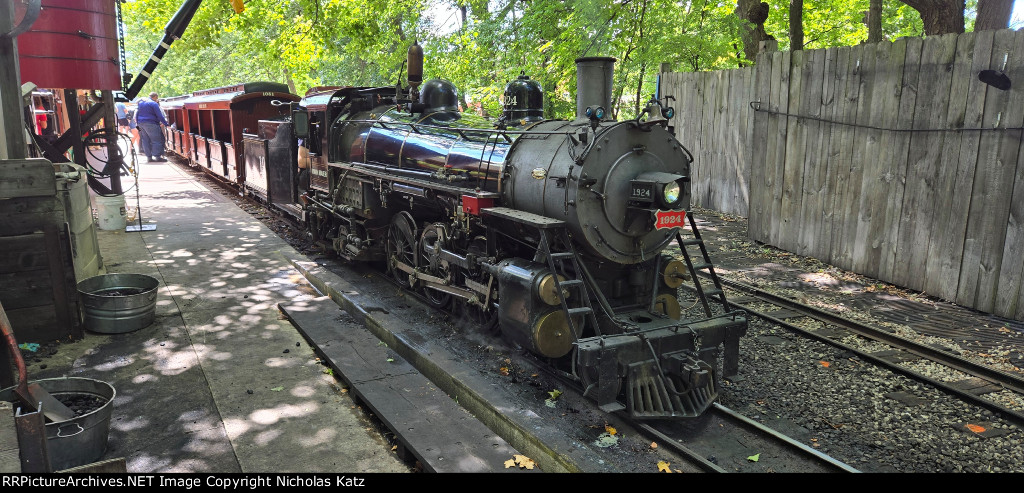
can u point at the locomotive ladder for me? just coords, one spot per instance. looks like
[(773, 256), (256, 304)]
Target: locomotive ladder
[(556, 263), (706, 265), (730, 362)]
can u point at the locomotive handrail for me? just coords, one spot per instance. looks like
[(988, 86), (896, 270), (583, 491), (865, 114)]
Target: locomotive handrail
[(461, 131)]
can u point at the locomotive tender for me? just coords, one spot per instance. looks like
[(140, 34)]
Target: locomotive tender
[(552, 230)]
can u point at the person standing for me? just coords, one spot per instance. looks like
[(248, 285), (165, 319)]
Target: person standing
[(122, 117), (150, 121), (134, 128)]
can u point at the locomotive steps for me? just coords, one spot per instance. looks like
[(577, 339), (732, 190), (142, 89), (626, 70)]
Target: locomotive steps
[(384, 335)]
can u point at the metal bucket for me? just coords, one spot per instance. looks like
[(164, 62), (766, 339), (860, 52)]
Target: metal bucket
[(118, 303), (82, 439)]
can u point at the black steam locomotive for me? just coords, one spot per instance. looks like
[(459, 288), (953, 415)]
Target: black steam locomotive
[(552, 230)]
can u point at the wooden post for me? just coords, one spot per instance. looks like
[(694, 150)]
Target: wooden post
[(12, 131), (768, 46), (114, 161)]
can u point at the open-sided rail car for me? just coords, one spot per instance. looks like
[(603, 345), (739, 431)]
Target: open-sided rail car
[(174, 110), (216, 119)]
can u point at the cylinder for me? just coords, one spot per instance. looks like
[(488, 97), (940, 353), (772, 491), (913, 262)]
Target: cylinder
[(594, 85)]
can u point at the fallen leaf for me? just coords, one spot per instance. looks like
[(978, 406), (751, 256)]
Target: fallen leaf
[(826, 364), (975, 428), (391, 360), (277, 389), (609, 429), (394, 448), (504, 371), (663, 467), (555, 393), (522, 461), (654, 444), (754, 458), (509, 463)]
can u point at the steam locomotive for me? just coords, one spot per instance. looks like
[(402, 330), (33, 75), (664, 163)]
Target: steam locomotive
[(553, 231)]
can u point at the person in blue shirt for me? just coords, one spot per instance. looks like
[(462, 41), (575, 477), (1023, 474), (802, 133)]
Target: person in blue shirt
[(122, 117), (149, 119)]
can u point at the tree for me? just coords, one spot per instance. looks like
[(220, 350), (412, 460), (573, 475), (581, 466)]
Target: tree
[(993, 14), (940, 16), (753, 31), (796, 24), (875, 21)]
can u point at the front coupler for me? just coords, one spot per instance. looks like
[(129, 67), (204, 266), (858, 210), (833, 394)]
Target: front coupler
[(669, 371)]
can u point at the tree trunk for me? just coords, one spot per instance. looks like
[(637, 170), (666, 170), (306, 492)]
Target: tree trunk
[(993, 14), (940, 16), (875, 21), (289, 81), (752, 32), (796, 25)]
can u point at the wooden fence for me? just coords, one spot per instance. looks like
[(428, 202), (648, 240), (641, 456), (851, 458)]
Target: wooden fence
[(893, 160)]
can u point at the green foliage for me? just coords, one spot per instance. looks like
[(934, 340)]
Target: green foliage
[(829, 23), (302, 42), (309, 43)]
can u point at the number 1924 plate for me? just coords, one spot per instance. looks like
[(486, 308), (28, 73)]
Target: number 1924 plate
[(669, 219)]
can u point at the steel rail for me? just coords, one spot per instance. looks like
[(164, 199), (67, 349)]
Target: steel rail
[(793, 444)]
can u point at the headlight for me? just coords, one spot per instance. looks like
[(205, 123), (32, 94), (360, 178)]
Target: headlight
[(671, 193)]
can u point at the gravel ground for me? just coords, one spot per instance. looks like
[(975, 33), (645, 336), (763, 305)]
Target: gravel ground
[(864, 415)]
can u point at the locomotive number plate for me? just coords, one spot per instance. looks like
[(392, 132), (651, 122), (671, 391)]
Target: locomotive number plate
[(669, 219), (638, 191)]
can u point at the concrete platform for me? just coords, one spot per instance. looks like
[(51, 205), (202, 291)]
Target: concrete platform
[(221, 382)]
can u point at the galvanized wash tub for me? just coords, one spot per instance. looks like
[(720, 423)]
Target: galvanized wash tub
[(118, 303), (80, 440)]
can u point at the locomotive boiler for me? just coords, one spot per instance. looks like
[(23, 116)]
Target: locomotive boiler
[(554, 231)]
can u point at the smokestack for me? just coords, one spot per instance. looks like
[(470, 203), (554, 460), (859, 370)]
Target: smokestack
[(594, 85)]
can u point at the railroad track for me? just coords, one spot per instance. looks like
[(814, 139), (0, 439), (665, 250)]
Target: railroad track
[(723, 428), (979, 385), (723, 441)]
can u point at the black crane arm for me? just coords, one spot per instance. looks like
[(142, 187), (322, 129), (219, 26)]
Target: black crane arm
[(172, 31)]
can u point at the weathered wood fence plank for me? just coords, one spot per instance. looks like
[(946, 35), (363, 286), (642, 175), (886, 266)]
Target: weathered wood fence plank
[(976, 267), (918, 212), (789, 206), (946, 240), (758, 217), (1010, 294)]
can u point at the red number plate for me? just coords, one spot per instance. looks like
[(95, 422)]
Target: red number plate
[(669, 219)]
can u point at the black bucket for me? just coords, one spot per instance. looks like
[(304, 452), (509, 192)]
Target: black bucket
[(80, 440), (118, 303)]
